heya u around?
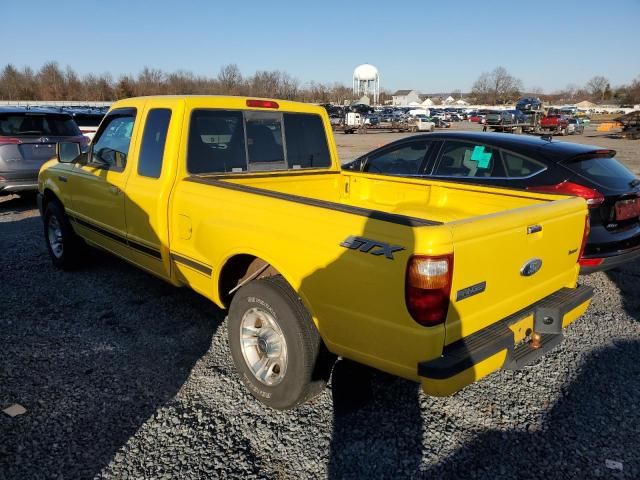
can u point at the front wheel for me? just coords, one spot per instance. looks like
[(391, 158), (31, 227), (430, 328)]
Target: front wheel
[(275, 346), (62, 242)]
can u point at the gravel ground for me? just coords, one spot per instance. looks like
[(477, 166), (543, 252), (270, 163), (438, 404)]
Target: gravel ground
[(126, 377)]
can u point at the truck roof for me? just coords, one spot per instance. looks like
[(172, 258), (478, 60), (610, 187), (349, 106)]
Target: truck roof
[(226, 101)]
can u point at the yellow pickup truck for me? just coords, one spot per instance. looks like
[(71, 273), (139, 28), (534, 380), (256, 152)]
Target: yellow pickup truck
[(243, 201)]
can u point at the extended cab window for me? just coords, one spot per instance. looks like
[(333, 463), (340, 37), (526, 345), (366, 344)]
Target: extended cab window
[(111, 147), (464, 159), (405, 159), (306, 141), (518, 166), (216, 142), (153, 141)]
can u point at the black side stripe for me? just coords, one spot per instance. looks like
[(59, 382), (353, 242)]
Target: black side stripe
[(365, 212), (118, 238), (192, 264)]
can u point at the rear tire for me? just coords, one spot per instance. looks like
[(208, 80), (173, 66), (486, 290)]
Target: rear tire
[(275, 346), (63, 245)]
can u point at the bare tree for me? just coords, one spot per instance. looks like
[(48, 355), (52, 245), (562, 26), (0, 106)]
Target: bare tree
[(51, 82), (230, 79), (598, 87), (10, 83), (496, 87)]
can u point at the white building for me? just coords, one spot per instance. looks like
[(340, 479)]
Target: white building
[(405, 97)]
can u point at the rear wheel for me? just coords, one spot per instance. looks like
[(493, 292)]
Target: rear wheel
[(63, 244), (564, 132), (275, 346)]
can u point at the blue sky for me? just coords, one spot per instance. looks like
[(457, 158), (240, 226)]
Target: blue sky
[(432, 46)]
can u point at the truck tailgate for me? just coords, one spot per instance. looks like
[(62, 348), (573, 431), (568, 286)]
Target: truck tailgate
[(495, 260)]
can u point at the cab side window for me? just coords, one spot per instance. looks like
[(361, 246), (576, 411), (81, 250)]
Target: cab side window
[(465, 159), (405, 159), (153, 141), (111, 147)]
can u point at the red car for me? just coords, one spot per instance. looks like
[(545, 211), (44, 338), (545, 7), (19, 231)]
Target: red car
[(477, 118)]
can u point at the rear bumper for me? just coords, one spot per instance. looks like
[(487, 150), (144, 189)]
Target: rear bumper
[(12, 183), (473, 357)]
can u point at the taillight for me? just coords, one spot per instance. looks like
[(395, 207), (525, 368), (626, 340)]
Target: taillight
[(10, 141), (593, 197), (262, 104), (591, 262), (428, 286)]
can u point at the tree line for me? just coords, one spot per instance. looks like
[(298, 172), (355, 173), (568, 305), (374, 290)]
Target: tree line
[(500, 87), (51, 82)]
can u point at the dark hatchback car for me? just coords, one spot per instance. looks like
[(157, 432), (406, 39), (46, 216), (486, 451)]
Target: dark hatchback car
[(612, 192), (28, 138)]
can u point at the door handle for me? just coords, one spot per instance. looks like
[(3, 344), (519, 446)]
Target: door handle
[(113, 189), (61, 178)]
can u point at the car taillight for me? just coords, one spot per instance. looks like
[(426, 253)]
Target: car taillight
[(593, 197), (262, 104), (591, 262), (427, 288), (10, 141)]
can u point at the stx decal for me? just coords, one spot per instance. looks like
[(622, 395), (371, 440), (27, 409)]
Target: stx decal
[(366, 245)]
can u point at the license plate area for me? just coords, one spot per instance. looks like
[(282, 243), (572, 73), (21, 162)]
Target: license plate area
[(626, 209), (37, 151)]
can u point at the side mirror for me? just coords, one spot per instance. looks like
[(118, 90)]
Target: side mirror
[(67, 152)]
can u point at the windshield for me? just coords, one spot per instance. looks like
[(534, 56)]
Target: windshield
[(28, 123)]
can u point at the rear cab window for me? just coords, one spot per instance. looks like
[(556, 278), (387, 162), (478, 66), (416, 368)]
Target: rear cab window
[(234, 141)]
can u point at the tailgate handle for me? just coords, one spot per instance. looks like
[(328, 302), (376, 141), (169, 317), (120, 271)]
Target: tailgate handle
[(534, 229)]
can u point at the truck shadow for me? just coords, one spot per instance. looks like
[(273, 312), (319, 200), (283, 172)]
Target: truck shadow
[(626, 279), (593, 421), (91, 355)]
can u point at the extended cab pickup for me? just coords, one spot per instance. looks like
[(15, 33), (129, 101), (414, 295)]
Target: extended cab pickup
[(555, 123), (243, 201)]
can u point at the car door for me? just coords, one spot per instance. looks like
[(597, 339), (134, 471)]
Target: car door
[(97, 185)]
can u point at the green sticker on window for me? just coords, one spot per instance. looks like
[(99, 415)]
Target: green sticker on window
[(480, 156)]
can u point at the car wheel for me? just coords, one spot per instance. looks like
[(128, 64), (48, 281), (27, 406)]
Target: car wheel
[(275, 346), (62, 243), (563, 132)]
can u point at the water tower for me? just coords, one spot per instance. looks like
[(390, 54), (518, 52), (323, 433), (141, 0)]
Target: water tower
[(366, 81)]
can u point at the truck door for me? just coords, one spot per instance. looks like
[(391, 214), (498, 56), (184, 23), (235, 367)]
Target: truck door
[(97, 186), (149, 185)]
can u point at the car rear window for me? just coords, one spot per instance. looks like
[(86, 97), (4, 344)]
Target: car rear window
[(37, 124), (274, 141), (607, 172)]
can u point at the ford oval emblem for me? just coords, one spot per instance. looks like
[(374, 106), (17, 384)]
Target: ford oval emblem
[(531, 267)]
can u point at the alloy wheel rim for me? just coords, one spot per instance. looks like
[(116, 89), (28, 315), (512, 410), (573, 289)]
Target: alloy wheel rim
[(263, 346), (54, 233)]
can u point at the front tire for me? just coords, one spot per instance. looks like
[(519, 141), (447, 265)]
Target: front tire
[(63, 244), (275, 346)]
